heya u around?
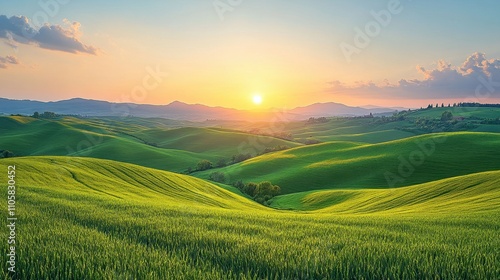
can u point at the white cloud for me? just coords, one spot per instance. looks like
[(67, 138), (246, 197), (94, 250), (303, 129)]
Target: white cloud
[(53, 37), (477, 75)]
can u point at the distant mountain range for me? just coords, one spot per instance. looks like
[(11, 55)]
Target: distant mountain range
[(182, 111)]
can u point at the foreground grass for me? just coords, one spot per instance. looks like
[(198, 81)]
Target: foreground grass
[(132, 222)]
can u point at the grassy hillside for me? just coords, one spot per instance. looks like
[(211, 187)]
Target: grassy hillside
[(345, 129), (161, 225), (122, 181), (26, 136), (347, 165), (127, 141), (466, 112), (470, 193), (378, 129), (211, 141)]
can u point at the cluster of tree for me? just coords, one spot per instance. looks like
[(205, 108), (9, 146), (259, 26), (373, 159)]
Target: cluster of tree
[(45, 115), (6, 154), (430, 106), (275, 149), (475, 104), (318, 120), (221, 162), (261, 192), (445, 123), (491, 121), (463, 104), (240, 157), (204, 165), (217, 176)]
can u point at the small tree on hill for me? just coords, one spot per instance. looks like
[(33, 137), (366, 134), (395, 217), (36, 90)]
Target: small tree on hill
[(6, 154), (251, 189), (218, 176), (446, 116), (49, 115), (204, 165), (240, 157), (221, 162)]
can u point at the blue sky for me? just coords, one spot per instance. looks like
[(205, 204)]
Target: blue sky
[(287, 51)]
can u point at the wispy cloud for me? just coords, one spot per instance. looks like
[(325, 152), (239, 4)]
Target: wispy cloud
[(444, 81), (53, 37), (5, 61)]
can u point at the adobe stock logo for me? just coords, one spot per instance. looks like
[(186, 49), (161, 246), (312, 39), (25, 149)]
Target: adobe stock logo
[(363, 38), (48, 9), (222, 7)]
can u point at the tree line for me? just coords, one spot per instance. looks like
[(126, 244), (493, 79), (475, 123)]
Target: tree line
[(45, 115)]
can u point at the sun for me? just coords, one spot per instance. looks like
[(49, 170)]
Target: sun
[(257, 99)]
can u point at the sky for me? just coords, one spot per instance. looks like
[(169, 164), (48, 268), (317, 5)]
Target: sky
[(225, 52)]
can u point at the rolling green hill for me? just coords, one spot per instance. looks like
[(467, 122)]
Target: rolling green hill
[(212, 141), (161, 225), (347, 165), (469, 193), (346, 129), (178, 149), (122, 181), (26, 136), (466, 112), (379, 129)]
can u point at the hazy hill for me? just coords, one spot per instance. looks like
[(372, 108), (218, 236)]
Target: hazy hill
[(179, 110), (336, 109)]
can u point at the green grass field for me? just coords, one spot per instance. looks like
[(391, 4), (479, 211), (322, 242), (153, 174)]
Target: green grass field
[(466, 112), (471, 192), (355, 130), (348, 165), (82, 218), (178, 149), (215, 142)]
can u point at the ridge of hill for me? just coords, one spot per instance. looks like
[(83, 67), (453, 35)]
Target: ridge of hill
[(349, 165)]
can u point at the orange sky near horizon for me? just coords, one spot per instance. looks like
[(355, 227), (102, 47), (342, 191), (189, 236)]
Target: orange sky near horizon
[(289, 51)]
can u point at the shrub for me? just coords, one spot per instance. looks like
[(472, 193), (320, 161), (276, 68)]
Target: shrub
[(221, 162), (261, 192), (446, 116), (275, 149), (251, 189), (239, 184), (241, 157), (217, 176), (204, 165), (6, 154)]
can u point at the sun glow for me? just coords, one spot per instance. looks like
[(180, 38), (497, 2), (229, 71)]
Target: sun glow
[(257, 99)]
